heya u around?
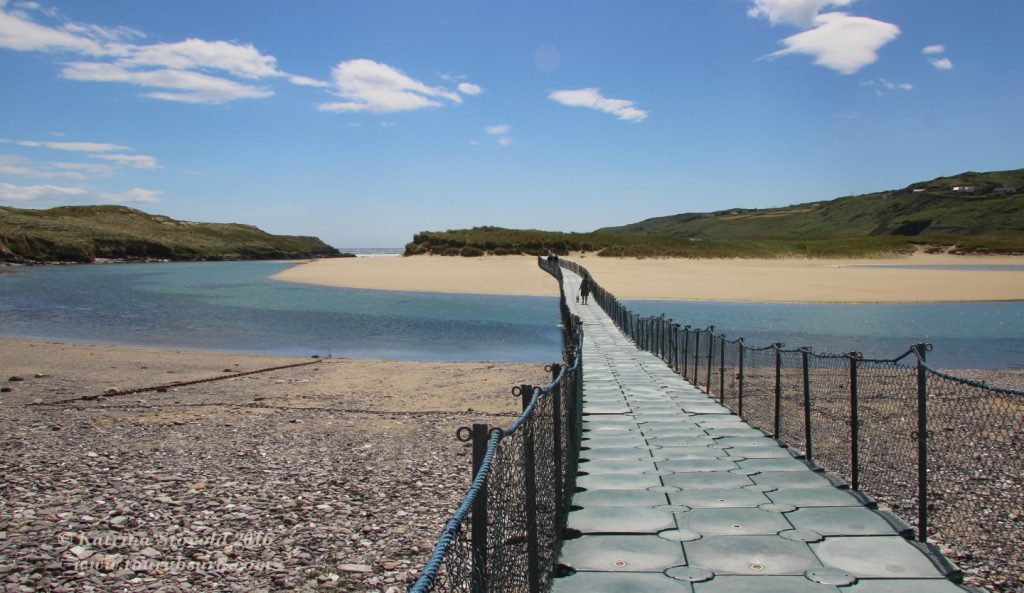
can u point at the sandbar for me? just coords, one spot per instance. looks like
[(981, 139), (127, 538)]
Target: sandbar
[(798, 280)]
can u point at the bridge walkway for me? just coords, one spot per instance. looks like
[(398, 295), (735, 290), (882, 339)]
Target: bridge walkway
[(677, 494)]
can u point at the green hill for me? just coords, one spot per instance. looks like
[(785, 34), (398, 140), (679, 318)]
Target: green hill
[(970, 212), (85, 233)]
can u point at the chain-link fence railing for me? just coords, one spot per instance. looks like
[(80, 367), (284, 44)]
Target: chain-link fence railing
[(941, 451), (507, 533)]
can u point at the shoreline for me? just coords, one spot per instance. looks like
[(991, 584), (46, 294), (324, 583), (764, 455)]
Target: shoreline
[(789, 280), (7, 339)]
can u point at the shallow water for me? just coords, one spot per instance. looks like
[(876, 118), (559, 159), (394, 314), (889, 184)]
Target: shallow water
[(235, 306), (957, 267), (963, 335)]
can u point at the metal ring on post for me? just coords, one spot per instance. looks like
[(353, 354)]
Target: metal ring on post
[(464, 434)]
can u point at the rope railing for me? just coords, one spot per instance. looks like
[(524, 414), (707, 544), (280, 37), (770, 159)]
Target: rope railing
[(939, 450), (506, 534)]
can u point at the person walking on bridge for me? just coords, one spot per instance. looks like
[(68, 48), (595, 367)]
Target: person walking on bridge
[(585, 288)]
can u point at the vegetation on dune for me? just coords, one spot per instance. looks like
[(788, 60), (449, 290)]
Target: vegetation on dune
[(966, 213), (85, 233)]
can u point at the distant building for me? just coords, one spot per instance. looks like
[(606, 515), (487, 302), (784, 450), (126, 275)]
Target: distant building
[(920, 190), (1005, 191), (965, 189)]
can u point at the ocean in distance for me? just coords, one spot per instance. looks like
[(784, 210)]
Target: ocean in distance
[(374, 251), (236, 306)]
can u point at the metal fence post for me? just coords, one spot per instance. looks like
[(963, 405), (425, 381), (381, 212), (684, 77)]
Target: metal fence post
[(739, 393), (659, 325), (666, 341), (556, 433), (922, 444), (711, 354), (721, 369), (479, 517), (686, 346), (777, 423), (673, 345), (805, 354), (660, 347), (696, 358), (530, 495), (854, 422)]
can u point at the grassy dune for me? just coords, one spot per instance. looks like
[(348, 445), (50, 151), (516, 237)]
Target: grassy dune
[(987, 219), (85, 233)]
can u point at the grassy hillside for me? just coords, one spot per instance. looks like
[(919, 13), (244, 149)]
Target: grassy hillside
[(988, 218), (84, 233)]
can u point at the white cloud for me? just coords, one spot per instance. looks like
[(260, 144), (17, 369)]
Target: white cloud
[(801, 13), (135, 161), (76, 146), (468, 88), (136, 195), (938, 63), (243, 61), (90, 168), (504, 141), (37, 193), (841, 42), (371, 86), (20, 33), (179, 71), (97, 150), (98, 33), (883, 83), (591, 98), (185, 86), (10, 192), (498, 129), (20, 166), (306, 81)]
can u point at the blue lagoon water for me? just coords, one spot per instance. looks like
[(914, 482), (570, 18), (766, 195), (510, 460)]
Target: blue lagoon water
[(235, 306), (963, 335)]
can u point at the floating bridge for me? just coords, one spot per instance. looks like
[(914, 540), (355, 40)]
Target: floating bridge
[(624, 475), (675, 493)]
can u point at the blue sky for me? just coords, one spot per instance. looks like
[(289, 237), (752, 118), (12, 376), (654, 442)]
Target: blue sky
[(365, 122)]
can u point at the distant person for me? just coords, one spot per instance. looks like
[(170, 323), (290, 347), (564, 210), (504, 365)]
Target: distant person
[(585, 289)]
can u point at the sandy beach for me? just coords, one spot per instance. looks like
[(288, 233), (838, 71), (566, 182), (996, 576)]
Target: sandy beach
[(775, 280), (335, 475)]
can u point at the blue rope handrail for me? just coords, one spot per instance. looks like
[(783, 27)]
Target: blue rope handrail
[(426, 580), (428, 576)]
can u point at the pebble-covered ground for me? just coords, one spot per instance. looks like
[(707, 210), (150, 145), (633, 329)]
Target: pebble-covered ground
[(336, 476), (293, 480)]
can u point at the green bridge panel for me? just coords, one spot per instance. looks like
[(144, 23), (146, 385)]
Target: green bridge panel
[(677, 494)]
